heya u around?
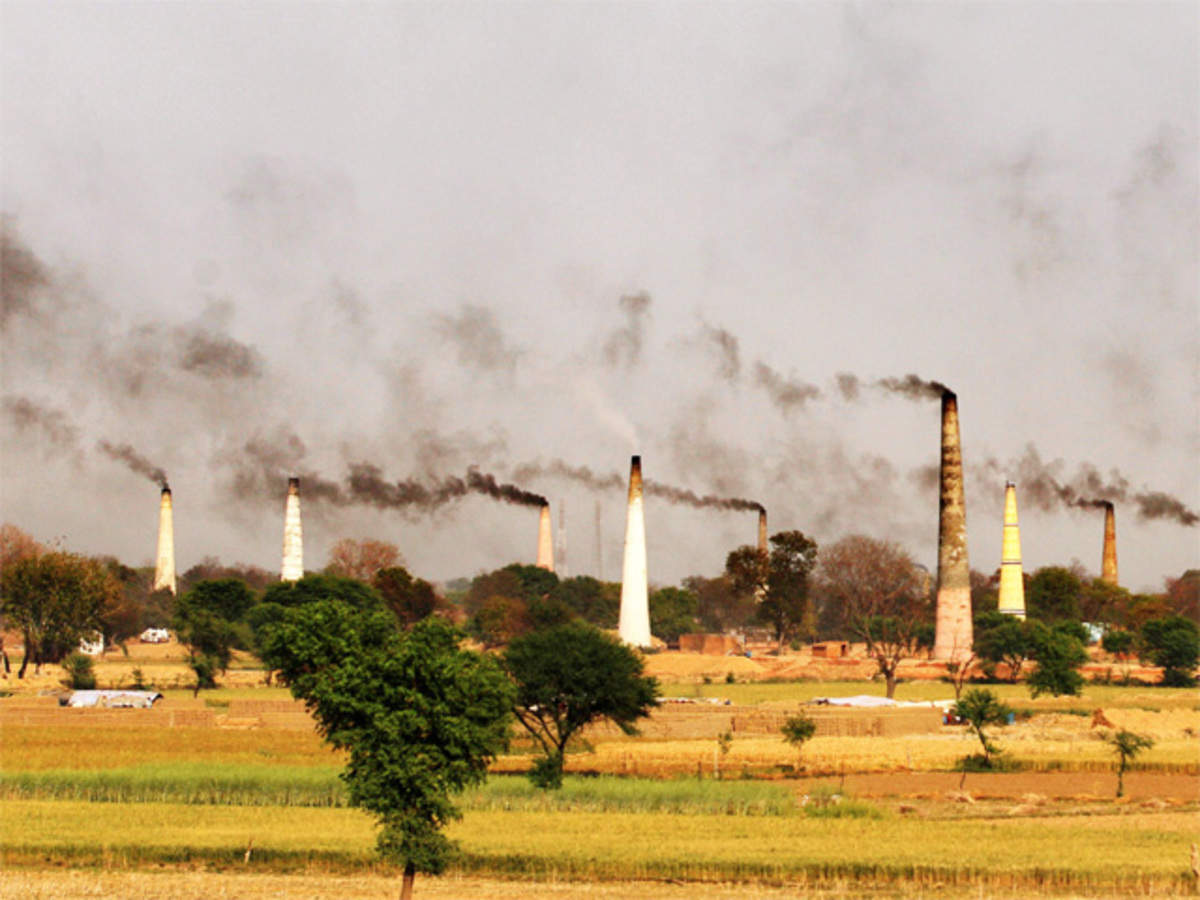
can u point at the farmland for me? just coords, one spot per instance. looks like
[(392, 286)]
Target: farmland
[(251, 799)]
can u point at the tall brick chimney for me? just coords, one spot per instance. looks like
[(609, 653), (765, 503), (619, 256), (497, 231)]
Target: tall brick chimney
[(954, 638), (1012, 580), (545, 545), (1108, 562), (634, 624), (762, 532), (293, 535), (164, 563)]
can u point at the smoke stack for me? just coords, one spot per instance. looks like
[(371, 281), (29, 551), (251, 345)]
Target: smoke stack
[(762, 531), (164, 565), (545, 548), (293, 536), (954, 636), (561, 555), (1108, 562), (1012, 582), (634, 626)]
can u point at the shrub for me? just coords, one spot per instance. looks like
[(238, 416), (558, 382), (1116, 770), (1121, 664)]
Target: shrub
[(1059, 653), (80, 670)]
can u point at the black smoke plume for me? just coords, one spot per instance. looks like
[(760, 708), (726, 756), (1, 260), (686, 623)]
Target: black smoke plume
[(1048, 487), (26, 414), (365, 484), (134, 460), (911, 387), (585, 476), (480, 342), (787, 394), (729, 358)]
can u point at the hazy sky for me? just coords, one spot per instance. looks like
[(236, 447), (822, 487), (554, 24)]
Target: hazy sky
[(257, 238)]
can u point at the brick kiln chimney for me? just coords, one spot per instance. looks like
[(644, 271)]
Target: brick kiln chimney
[(1012, 581), (1108, 562), (545, 545), (954, 636), (164, 564), (762, 532), (634, 626), (293, 536)]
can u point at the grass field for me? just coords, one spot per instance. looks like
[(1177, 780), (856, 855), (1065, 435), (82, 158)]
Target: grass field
[(1117, 850)]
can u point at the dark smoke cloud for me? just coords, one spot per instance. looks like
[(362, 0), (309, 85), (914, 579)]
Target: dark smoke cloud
[(259, 469), (365, 484), (22, 276), (559, 469), (624, 345), (585, 476), (1048, 487), (25, 415), (689, 498), (787, 394), (480, 342), (134, 460), (215, 355), (725, 345), (911, 387)]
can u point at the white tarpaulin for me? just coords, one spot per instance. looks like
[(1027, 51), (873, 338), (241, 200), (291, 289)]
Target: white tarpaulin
[(114, 699)]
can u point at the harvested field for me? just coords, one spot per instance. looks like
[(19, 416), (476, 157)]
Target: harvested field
[(185, 884), (1015, 785)]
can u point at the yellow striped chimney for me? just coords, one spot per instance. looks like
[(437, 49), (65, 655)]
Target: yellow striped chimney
[(545, 547), (292, 568), (1108, 562), (1012, 581), (164, 564)]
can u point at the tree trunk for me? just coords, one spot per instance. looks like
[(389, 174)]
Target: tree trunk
[(889, 678), (406, 885)]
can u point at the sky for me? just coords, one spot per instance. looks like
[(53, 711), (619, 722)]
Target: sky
[(380, 245)]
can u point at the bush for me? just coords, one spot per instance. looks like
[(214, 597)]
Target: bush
[(1059, 654), (80, 670)]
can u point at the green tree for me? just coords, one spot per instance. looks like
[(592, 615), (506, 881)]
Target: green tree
[(1059, 653), (568, 677), (226, 598), (1053, 595), (54, 600), (1001, 638), (535, 581), (419, 716), (1127, 746), (209, 637), (1173, 643), (981, 709), (314, 588), (672, 613), (595, 601), (798, 730), (1100, 601), (789, 565), (881, 599), (410, 599)]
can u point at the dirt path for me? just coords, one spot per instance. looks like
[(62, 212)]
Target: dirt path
[(1100, 785)]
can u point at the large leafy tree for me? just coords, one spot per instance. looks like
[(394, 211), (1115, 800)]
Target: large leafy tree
[(1173, 643), (777, 580), (420, 716), (881, 599), (1001, 638), (1053, 595), (361, 559), (54, 600), (1059, 651), (595, 601), (568, 677), (672, 613)]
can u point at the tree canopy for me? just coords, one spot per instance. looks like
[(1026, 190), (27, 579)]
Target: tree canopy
[(410, 599), (1172, 642), (569, 676), (420, 717), (1053, 595), (880, 595)]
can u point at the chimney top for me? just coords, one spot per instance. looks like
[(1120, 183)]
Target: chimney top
[(294, 482), (1009, 484), (637, 459), (166, 488)]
